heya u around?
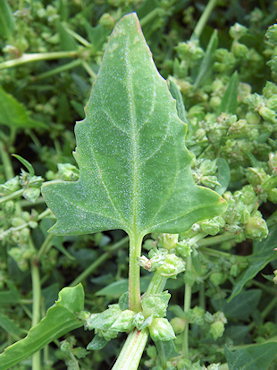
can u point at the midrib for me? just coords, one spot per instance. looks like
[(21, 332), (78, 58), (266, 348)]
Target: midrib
[(134, 142)]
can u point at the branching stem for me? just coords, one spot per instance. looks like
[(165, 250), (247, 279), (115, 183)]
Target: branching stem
[(132, 350)]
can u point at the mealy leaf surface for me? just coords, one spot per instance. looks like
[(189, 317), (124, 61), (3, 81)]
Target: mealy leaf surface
[(134, 166)]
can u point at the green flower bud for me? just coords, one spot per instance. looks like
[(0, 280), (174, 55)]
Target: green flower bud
[(216, 329), (196, 315), (183, 249), (155, 304), (107, 20), (215, 102), (217, 278), (178, 325), (168, 241), (68, 172), (33, 224), (31, 194), (171, 266), (103, 320), (138, 320), (256, 176), (189, 50), (271, 34), (124, 321), (272, 195), (270, 89), (252, 118), (212, 226), (17, 221), (9, 186), (160, 329), (268, 114), (9, 206), (239, 50), (145, 263), (256, 227), (273, 162), (237, 31)]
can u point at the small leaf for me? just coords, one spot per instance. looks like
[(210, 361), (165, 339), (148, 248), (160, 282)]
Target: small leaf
[(263, 253), (14, 114), (59, 320), (97, 343), (134, 168), (6, 19), (223, 175), (67, 42), (176, 94), (229, 101), (206, 64), (26, 163), (253, 356)]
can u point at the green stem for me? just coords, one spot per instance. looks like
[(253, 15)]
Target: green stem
[(213, 240), (45, 245), (35, 57), (264, 287), (269, 308), (11, 196), (89, 70), (59, 69), (36, 307), (132, 350), (202, 298), (91, 268), (203, 19), (134, 272), (154, 14), (187, 302), (6, 161), (217, 253), (157, 284)]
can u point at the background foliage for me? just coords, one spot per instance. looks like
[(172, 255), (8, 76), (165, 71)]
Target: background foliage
[(50, 55)]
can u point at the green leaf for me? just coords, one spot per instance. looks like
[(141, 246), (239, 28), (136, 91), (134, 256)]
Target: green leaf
[(263, 253), (14, 114), (241, 306), (206, 64), (61, 318), (67, 42), (97, 343), (10, 326), (116, 289), (253, 356), (223, 175), (6, 19), (229, 101), (176, 94), (26, 163), (134, 168)]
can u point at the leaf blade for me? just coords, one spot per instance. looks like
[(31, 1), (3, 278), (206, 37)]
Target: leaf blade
[(134, 168)]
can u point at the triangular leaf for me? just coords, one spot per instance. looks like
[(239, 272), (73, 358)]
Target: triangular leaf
[(134, 168), (14, 114)]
